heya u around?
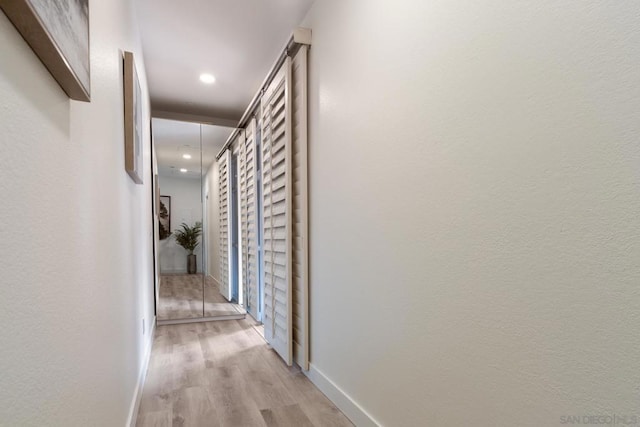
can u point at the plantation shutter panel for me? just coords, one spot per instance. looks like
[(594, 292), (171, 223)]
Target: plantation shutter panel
[(276, 181), (225, 223), (242, 205), (300, 253), (250, 218)]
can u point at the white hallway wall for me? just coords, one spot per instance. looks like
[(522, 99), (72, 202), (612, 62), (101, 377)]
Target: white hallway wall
[(76, 231), (475, 208), (186, 206)]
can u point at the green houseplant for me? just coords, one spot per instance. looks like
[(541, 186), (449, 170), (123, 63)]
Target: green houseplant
[(187, 237)]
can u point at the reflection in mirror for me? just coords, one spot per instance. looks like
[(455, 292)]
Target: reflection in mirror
[(216, 304), (177, 148), (187, 220)]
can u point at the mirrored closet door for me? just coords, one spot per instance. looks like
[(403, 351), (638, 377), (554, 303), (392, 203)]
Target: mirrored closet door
[(188, 222)]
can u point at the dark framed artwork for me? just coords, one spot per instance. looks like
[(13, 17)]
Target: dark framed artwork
[(157, 193), (132, 120), (58, 33), (164, 217)]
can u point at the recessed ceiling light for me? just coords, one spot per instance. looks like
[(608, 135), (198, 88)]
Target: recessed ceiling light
[(186, 156), (207, 78), (183, 170)]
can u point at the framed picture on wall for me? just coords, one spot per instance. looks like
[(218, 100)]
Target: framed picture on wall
[(58, 33), (164, 217), (132, 120)]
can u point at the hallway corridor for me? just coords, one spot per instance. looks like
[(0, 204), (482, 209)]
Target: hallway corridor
[(224, 374)]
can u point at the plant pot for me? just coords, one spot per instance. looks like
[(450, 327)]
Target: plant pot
[(191, 264)]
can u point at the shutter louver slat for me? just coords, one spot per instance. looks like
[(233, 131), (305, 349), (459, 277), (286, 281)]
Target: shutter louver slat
[(300, 270), (276, 170), (223, 183), (249, 218), (244, 221)]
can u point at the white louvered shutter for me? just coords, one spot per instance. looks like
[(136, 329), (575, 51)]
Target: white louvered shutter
[(276, 181), (242, 205), (249, 205), (224, 164), (300, 253)]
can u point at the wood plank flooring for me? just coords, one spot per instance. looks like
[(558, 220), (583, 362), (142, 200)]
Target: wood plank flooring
[(224, 374), (181, 297)]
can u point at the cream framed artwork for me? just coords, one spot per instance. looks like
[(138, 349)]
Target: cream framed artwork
[(58, 33), (132, 120)]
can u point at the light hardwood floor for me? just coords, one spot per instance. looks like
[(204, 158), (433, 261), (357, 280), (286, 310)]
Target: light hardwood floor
[(224, 374), (181, 298)]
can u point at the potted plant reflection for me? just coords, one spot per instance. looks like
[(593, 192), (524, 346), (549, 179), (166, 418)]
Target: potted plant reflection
[(187, 237)]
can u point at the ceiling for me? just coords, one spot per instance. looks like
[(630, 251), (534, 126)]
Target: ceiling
[(235, 40), (172, 139)]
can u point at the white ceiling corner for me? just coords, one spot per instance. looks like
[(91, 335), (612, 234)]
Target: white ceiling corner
[(235, 40)]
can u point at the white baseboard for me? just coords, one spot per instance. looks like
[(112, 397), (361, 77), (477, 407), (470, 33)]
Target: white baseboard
[(214, 279), (217, 282), (178, 272), (137, 394), (342, 400)]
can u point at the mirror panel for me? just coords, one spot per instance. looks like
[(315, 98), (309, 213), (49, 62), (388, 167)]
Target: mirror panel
[(188, 220), (215, 303)]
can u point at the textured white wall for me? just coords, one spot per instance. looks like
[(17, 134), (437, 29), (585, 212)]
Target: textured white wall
[(76, 278), (186, 206), (475, 208)]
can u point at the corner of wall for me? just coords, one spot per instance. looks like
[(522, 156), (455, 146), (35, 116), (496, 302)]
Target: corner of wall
[(137, 394), (356, 413)]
